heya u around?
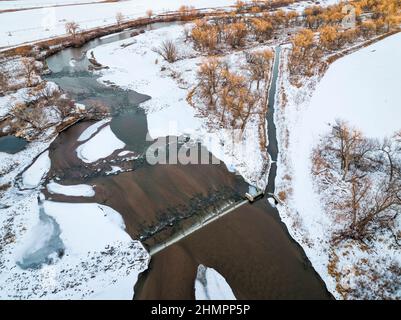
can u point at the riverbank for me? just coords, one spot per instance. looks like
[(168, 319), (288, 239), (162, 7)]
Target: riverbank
[(301, 115)]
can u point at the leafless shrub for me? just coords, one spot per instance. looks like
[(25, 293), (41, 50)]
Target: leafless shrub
[(168, 51), (30, 69)]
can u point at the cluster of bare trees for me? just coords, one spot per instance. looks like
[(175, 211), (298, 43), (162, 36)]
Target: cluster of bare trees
[(24, 73), (367, 176), (233, 97), (187, 12), (259, 65), (47, 106), (207, 35), (72, 29), (233, 30), (384, 14)]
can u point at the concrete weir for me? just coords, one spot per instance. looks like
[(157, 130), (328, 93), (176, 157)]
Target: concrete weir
[(213, 216)]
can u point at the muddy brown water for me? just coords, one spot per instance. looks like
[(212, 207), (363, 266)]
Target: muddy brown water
[(250, 247)]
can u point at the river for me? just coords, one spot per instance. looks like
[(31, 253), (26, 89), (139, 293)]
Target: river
[(250, 247)]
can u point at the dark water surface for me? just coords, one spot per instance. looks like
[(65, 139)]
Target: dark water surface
[(12, 144)]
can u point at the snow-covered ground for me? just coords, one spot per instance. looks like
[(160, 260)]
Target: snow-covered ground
[(99, 260), (138, 67), (30, 25), (32, 177), (100, 146), (363, 89), (20, 4), (211, 285)]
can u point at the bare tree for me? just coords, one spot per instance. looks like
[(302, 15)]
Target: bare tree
[(149, 13), (209, 77), (366, 173), (30, 69), (259, 65), (119, 18), (72, 28), (370, 208), (345, 143), (168, 51)]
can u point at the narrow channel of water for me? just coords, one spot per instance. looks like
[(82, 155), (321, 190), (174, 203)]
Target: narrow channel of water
[(272, 148)]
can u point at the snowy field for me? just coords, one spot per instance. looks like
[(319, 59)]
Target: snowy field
[(361, 88), (42, 23), (21, 4), (102, 145), (30, 25)]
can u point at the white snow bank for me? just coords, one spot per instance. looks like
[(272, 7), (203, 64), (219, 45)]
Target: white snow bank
[(100, 261), (102, 145), (32, 177), (211, 285), (79, 190), (90, 131)]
